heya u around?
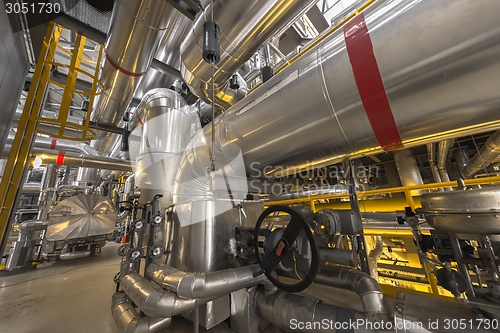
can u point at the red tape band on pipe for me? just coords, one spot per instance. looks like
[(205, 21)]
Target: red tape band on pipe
[(60, 158), (124, 71), (53, 144), (370, 85)]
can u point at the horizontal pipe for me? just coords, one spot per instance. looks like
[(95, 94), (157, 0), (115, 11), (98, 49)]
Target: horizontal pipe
[(335, 189), (291, 138), (338, 256), (486, 155), (201, 285), (129, 321), (81, 160), (288, 311), (368, 289), (74, 255), (156, 303)]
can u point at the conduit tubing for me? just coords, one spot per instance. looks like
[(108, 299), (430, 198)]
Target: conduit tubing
[(201, 285), (292, 138)]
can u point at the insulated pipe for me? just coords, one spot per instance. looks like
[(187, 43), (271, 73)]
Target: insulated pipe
[(408, 168), (292, 313), (338, 256), (486, 155), (202, 285), (371, 294), (374, 255), (81, 160), (244, 28), (414, 62), (74, 255), (432, 161), (136, 29), (443, 150), (156, 303), (168, 127), (129, 321)]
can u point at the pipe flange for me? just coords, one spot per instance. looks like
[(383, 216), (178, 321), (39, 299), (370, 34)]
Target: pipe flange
[(156, 251), (138, 225), (135, 254), (157, 220)]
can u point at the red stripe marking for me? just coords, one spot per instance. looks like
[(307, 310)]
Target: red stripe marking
[(53, 144), (138, 118), (60, 158), (370, 86), (124, 71)]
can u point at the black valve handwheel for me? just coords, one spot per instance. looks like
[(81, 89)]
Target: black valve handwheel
[(272, 259)]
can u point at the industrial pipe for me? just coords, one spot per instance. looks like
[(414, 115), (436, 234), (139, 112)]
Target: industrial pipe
[(443, 150), (335, 189), (292, 313), (74, 255), (244, 28), (202, 285), (338, 256), (155, 303), (371, 294), (291, 138), (129, 321), (408, 168), (486, 155), (80, 160), (374, 255), (432, 161)]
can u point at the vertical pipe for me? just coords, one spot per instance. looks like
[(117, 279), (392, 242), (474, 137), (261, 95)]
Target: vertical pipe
[(408, 168)]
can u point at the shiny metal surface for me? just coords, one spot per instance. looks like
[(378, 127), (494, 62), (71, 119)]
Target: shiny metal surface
[(408, 168), (486, 155), (201, 285), (205, 246), (81, 216), (136, 29), (432, 161), (129, 321), (244, 27), (374, 255), (335, 189), (168, 127), (282, 309), (82, 160), (442, 156), (473, 212), (310, 114)]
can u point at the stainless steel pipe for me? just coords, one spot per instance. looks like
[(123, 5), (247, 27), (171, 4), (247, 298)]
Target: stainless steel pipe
[(129, 321), (486, 155), (311, 113), (244, 28), (202, 285)]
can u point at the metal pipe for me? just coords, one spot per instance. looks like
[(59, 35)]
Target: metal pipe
[(81, 160), (202, 285), (486, 155), (374, 256), (291, 138), (155, 303), (338, 256), (432, 161), (160, 149), (74, 255), (443, 150), (244, 29), (291, 313), (408, 168), (129, 321), (368, 289)]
